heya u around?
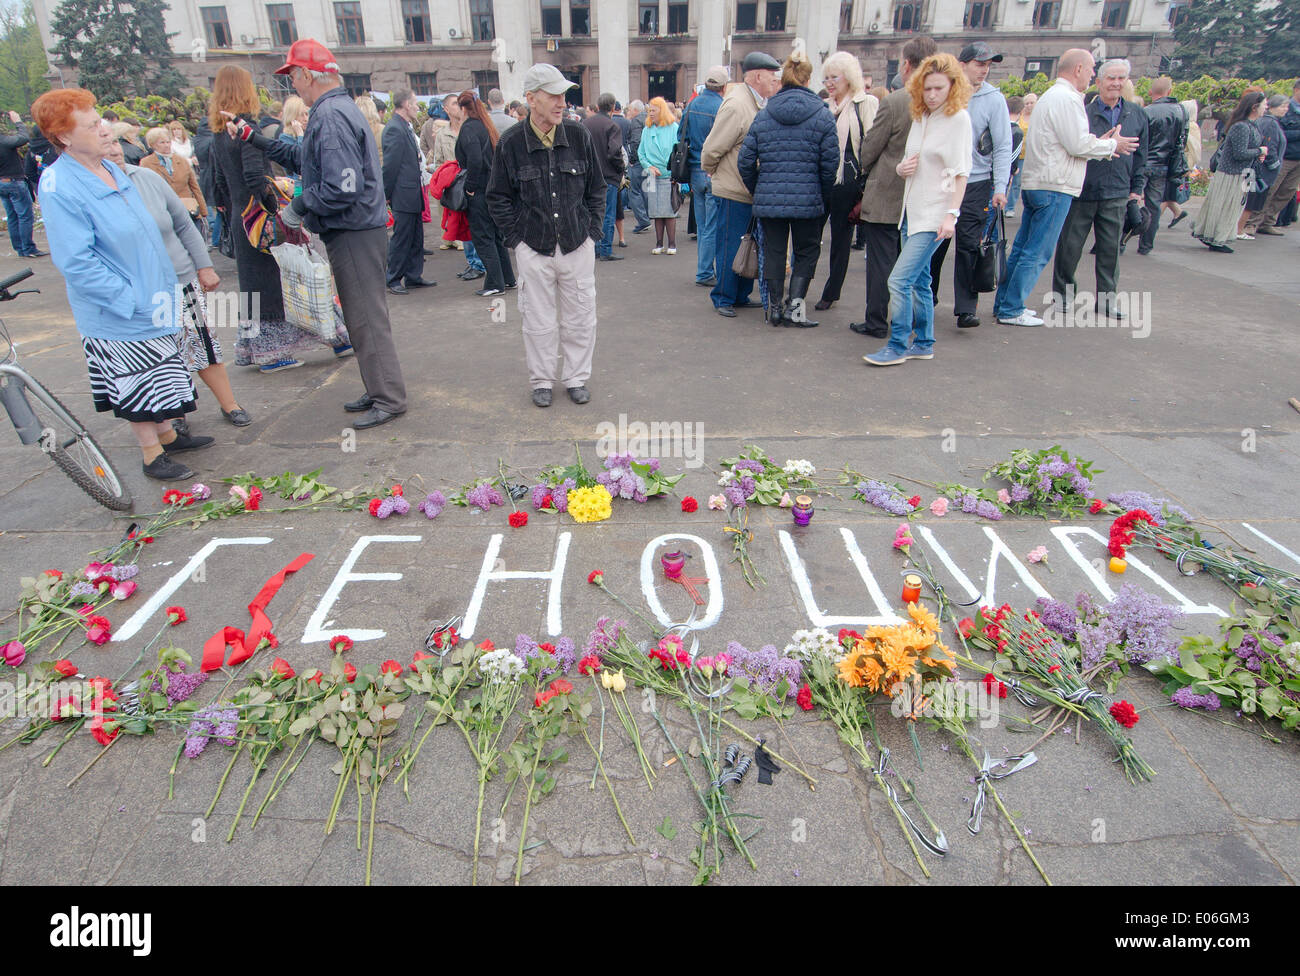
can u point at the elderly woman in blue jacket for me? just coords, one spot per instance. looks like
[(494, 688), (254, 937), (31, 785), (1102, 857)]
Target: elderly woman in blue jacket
[(120, 282), (788, 162)]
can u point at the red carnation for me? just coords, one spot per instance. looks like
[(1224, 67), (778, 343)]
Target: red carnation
[(390, 667), (374, 506), (1096, 506), (57, 574), (98, 630), (64, 708), (561, 686), (176, 615), (101, 733), (804, 698), (254, 499), (397, 490), (846, 634), (340, 643), (914, 501), (102, 685), (966, 626), (518, 520), (689, 504), (315, 677), (542, 697), (993, 632), (281, 667), (548, 647), (1124, 713), (589, 664), (65, 668), (486, 645), (350, 672), (596, 576)]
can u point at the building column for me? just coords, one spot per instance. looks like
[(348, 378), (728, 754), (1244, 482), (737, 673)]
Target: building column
[(612, 41), (819, 27), (513, 28), (709, 35), (946, 16)]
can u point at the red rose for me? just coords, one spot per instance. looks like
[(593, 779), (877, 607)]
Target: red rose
[(315, 677), (101, 685), (846, 634), (98, 630), (689, 504), (589, 664), (486, 645), (596, 577), (65, 668), (1124, 713), (349, 672), (272, 641), (804, 698), (281, 667), (57, 574), (561, 686), (914, 501), (390, 667), (542, 697), (518, 520), (374, 505), (340, 643), (397, 490), (548, 648), (420, 656)]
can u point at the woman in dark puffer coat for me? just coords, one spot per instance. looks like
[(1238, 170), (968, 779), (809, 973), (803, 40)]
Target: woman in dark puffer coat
[(788, 162)]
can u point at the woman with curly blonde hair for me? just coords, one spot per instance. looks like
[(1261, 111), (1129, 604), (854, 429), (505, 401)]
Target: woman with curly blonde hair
[(935, 165), (657, 141), (370, 112)]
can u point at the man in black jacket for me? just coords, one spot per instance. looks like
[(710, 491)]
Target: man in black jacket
[(1166, 163), (342, 200), (404, 190), (1108, 186), (15, 192), (607, 137), (547, 194)]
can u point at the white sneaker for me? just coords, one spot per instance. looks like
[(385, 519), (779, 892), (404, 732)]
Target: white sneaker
[(1245, 237), (657, 250), (1026, 318), (673, 250)]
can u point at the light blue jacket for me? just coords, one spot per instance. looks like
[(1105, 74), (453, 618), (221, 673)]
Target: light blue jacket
[(656, 147), (107, 245), (988, 111)]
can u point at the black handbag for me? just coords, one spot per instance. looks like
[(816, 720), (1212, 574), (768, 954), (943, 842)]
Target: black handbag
[(991, 261), (849, 192), (679, 160), (454, 197)]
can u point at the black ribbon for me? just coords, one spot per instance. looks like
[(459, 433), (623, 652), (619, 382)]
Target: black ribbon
[(766, 765), (737, 766), (938, 846), (986, 775)]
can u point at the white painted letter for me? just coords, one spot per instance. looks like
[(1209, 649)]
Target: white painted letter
[(803, 584), (711, 612), (342, 578), (489, 572)]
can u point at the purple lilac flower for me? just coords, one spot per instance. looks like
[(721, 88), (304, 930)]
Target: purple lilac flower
[(125, 572), (1186, 698), (1057, 616), (180, 685), (1272, 638), (1144, 623), (227, 726), (734, 494), (639, 497), (82, 588), (1045, 483), (1249, 647), (385, 508), (560, 496), (198, 733), (1081, 484), (1157, 508), (883, 496), (484, 496), (654, 465), (400, 505), (433, 504), (988, 510), (540, 495), (754, 466), (603, 637), (564, 658), (766, 668), (1019, 493), (748, 485), (969, 503)]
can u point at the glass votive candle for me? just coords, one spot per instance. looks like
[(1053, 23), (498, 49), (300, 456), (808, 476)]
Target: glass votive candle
[(802, 510), (673, 563), (911, 588)]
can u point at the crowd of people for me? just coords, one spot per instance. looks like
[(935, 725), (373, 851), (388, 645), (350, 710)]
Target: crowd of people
[(534, 194)]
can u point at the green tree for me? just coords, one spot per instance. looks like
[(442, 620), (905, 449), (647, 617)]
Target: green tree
[(22, 58), (1280, 53), (119, 49), (1220, 38)]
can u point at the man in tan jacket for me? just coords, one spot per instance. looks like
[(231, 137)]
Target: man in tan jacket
[(882, 200), (718, 159)]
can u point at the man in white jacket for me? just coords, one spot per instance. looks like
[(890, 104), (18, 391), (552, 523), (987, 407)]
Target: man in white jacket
[(1057, 149)]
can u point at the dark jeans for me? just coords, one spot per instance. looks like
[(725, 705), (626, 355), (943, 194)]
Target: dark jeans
[(490, 245), (804, 234), (18, 211), (636, 196), (406, 248), (970, 226), (606, 243), (841, 240), (882, 247), (1152, 197), (732, 222), (1105, 219)]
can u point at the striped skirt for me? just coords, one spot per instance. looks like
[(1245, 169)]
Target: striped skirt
[(142, 381), (199, 347)]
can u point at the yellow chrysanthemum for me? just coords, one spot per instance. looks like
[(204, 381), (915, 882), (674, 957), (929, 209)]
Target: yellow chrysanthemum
[(849, 672), (915, 638), (590, 504), (923, 617), (897, 660), (872, 672)]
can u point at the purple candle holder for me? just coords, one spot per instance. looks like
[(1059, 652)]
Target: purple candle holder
[(802, 510), (674, 563)]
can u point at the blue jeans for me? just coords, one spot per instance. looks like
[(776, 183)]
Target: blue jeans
[(18, 211), (706, 224), (911, 301), (1040, 225), (214, 225), (472, 258), (636, 196), (731, 220), (606, 245), (1013, 194)]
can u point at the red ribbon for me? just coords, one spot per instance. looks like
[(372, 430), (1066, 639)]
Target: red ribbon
[(214, 649)]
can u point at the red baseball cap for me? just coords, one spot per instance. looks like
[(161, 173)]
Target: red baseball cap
[(311, 54)]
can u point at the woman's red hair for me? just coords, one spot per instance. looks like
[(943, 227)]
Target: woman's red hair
[(52, 112), (473, 108), (233, 91)]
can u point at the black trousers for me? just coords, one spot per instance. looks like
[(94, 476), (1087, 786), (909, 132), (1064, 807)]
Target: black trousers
[(1105, 219), (882, 246), (841, 241), (804, 234), (1152, 197), (970, 226), (406, 248), (489, 243)]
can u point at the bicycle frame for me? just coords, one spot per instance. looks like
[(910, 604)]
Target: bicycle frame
[(12, 384)]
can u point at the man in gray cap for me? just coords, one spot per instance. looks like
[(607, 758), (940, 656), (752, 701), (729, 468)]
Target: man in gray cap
[(547, 195), (718, 158), (696, 122), (987, 186)]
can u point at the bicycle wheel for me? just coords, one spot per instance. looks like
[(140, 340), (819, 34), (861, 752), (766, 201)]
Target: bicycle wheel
[(69, 445)]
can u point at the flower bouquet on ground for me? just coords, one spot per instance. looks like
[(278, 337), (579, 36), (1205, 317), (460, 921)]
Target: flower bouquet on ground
[(886, 496), (481, 493), (592, 663), (55, 604), (984, 502), (737, 528), (1254, 665), (1117, 503), (753, 476), (1033, 649), (248, 493), (1046, 482), (627, 477)]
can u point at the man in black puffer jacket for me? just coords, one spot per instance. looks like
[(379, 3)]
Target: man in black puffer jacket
[(788, 162)]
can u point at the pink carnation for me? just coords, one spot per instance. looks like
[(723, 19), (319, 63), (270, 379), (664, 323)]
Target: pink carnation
[(939, 507), (1004, 496)]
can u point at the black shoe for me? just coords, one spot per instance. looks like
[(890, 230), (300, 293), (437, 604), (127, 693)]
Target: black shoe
[(398, 289), (1144, 250), (640, 230), (622, 243), (579, 394), (239, 417), (462, 273), (373, 418), (488, 292), (428, 252), (38, 253), (419, 283), (181, 426), (875, 331), (727, 311), (542, 397), (796, 315), (512, 286), (609, 257), (188, 443), (1174, 223), (707, 282), (163, 468), (360, 405), (968, 320), (473, 274), (856, 247), (1111, 311), (1221, 248)]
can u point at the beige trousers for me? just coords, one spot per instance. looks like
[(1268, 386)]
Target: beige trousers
[(557, 300)]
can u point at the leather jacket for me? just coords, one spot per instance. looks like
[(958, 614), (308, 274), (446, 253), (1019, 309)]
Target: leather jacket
[(1166, 133)]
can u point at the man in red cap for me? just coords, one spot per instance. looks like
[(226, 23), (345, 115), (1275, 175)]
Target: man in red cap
[(342, 200)]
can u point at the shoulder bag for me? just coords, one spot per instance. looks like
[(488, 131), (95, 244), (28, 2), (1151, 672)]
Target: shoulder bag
[(745, 263)]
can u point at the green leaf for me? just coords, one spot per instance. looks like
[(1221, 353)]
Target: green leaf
[(666, 829), (1235, 636)]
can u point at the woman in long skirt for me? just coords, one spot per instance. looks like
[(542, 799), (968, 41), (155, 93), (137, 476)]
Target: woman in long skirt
[(1216, 225)]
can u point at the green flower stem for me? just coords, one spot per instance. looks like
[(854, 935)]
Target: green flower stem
[(442, 708), (528, 803), (270, 791), (171, 773), (634, 734), (478, 821), (374, 802), (75, 726), (600, 766), (259, 764), (222, 785), (348, 758), (655, 630), (310, 742), (359, 799)]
